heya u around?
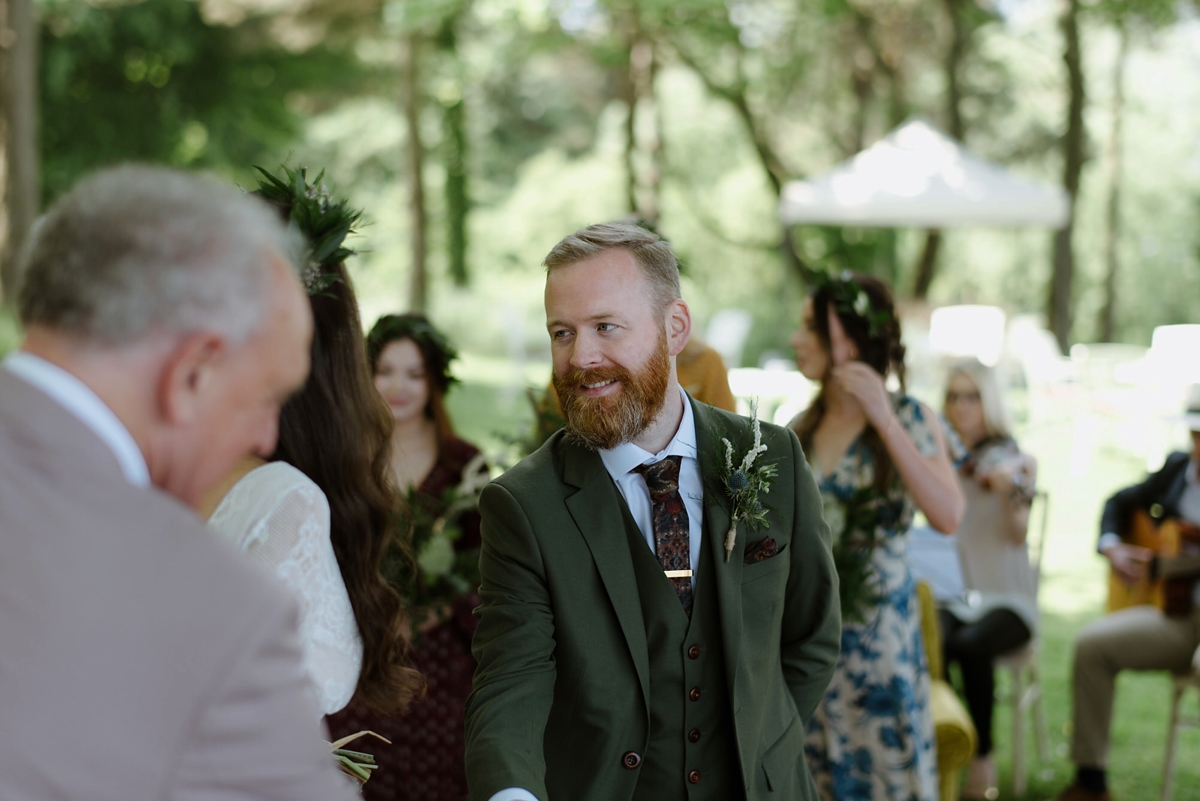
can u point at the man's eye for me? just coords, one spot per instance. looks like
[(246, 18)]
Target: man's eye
[(606, 327), (560, 334)]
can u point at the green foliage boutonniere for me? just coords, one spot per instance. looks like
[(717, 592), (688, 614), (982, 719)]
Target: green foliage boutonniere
[(744, 481)]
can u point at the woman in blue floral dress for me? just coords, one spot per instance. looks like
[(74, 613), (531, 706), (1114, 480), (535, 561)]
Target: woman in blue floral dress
[(878, 456)]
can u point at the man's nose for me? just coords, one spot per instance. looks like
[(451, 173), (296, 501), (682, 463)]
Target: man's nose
[(586, 353)]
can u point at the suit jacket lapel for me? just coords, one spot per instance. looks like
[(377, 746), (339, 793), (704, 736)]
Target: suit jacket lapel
[(597, 511), (716, 526)]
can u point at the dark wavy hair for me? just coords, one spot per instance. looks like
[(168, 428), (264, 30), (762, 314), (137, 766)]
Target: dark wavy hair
[(338, 432), (876, 333), (436, 355)]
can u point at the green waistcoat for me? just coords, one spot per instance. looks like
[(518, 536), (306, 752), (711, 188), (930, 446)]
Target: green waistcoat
[(691, 733)]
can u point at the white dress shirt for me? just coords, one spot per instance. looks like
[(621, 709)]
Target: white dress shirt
[(78, 399), (620, 463)]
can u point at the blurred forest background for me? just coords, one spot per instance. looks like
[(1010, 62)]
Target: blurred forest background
[(475, 133)]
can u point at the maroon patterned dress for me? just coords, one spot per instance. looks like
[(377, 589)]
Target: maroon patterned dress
[(425, 760)]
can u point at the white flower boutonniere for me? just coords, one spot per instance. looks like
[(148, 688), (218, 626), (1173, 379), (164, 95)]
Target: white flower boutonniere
[(744, 483)]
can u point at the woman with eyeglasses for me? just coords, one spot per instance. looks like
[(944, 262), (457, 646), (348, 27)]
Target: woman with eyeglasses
[(999, 612)]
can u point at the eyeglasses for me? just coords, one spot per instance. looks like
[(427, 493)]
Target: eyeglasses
[(965, 397)]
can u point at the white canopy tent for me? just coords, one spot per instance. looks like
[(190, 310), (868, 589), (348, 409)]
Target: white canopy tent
[(918, 177)]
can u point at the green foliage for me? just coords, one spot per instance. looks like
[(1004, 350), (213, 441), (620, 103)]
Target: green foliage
[(152, 81), (324, 222), (10, 332)]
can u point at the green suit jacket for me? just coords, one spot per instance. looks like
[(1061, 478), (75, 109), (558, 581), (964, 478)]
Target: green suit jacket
[(561, 690)]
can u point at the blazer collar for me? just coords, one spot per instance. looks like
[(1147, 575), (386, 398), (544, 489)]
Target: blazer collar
[(53, 434), (597, 509)]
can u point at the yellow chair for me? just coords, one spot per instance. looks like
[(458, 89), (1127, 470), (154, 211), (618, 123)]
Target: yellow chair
[(953, 730)]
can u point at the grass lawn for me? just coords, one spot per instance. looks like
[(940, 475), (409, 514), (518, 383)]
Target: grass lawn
[(490, 409)]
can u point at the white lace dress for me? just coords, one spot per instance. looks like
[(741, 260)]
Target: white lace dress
[(278, 516)]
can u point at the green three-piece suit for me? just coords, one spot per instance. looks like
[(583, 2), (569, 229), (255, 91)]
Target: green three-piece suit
[(594, 684)]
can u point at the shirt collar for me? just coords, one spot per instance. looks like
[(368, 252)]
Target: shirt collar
[(78, 399), (623, 458)]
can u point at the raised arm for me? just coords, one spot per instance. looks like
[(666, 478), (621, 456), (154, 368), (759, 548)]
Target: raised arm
[(926, 470), (507, 711), (812, 624)]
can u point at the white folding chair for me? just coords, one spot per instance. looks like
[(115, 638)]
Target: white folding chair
[(1022, 664)]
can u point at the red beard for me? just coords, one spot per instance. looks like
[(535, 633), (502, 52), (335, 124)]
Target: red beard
[(606, 422)]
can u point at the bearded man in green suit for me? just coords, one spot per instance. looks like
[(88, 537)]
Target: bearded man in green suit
[(629, 648)]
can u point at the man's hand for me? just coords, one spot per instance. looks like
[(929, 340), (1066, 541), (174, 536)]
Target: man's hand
[(1131, 562)]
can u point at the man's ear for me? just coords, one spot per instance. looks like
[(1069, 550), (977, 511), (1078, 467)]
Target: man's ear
[(189, 376), (679, 326)]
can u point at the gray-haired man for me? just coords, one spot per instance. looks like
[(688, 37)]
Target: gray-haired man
[(139, 658)]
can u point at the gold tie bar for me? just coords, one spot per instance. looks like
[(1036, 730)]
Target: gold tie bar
[(678, 573)]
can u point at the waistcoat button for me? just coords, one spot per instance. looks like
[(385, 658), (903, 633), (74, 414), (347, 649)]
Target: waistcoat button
[(694, 652), (694, 694), (631, 760), (694, 777), (694, 735)]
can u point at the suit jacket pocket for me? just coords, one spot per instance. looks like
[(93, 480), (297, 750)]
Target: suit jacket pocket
[(767, 567), (783, 763)]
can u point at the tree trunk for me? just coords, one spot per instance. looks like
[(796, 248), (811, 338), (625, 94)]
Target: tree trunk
[(415, 153), (628, 93), (1108, 311), (20, 100), (454, 158), (1059, 300), (642, 73), (927, 265)]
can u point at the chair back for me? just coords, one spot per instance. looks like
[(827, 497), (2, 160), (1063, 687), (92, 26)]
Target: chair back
[(1036, 547), (930, 630)]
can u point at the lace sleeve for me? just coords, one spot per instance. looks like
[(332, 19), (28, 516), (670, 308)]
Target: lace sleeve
[(284, 526)]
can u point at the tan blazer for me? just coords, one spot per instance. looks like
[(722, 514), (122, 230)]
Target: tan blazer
[(140, 657)]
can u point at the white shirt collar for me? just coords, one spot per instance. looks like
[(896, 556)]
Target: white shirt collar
[(623, 458), (78, 399)]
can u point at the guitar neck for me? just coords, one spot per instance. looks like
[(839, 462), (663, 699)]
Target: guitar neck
[(1169, 567)]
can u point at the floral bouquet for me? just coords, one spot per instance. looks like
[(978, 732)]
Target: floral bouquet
[(443, 574)]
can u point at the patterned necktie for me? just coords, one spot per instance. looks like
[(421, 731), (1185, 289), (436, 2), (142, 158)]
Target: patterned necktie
[(669, 519)]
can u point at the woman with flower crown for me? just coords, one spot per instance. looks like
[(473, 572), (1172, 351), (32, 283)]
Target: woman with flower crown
[(878, 456), (320, 512), (442, 474)]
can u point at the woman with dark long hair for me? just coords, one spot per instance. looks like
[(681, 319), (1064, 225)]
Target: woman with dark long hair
[(321, 513), (411, 361), (878, 456)]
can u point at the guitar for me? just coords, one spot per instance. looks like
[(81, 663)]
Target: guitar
[(1168, 584)]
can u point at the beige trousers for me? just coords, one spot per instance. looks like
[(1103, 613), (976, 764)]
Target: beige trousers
[(1138, 638)]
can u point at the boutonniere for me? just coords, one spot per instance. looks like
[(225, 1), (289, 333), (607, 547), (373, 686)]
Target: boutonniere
[(744, 482)]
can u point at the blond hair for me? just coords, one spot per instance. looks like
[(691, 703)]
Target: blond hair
[(996, 422), (649, 250)]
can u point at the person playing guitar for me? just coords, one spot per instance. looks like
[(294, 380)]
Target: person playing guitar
[(1147, 531)]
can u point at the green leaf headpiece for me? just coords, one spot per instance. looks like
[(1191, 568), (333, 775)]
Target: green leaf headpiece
[(324, 222), (850, 299)]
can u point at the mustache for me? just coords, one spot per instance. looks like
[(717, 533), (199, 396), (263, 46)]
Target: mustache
[(577, 379)]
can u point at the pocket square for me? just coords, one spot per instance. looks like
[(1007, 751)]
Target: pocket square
[(761, 551)]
